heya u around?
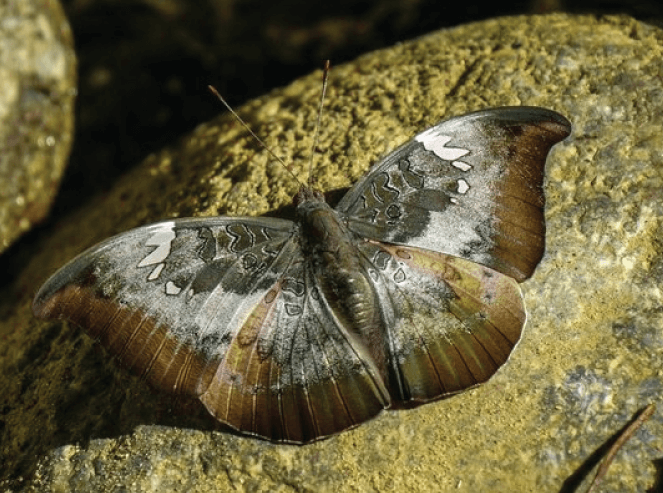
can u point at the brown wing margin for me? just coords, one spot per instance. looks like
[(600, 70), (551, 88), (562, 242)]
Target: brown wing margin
[(257, 391), (136, 340), (519, 223)]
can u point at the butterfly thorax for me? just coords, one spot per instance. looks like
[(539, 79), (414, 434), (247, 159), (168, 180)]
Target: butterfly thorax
[(340, 271)]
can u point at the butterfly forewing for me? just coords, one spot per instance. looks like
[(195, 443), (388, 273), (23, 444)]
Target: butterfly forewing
[(471, 187), (167, 298)]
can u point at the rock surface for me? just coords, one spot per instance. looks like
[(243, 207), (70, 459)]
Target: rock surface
[(38, 73), (592, 351)]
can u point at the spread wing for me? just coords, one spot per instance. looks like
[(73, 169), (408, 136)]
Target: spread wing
[(450, 323), (471, 187), (167, 298), (226, 310)]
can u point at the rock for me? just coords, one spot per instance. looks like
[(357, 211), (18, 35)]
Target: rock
[(38, 73), (590, 357)]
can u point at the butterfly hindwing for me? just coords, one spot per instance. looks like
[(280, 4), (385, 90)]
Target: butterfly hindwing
[(471, 186), (451, 323)]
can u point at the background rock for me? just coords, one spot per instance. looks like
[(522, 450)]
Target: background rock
[(38, 74), (591, 353)]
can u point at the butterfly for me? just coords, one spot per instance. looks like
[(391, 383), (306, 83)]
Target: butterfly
[(404, 293)]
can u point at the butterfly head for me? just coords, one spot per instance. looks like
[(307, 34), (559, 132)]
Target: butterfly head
[(311, 207), (308, 195)]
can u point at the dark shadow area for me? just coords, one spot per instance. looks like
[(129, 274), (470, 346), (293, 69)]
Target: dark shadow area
[(144, 71), (97, 399)]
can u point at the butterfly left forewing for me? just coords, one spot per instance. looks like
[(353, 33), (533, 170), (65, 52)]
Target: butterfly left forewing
[(166, 298), (450, 222), (471, 186), (450, 323)]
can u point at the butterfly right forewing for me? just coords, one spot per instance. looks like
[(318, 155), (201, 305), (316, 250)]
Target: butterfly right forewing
[(165, 299), (471, 186)]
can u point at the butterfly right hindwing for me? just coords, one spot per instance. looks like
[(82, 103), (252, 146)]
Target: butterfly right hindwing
[(450, 323), (292, 372)]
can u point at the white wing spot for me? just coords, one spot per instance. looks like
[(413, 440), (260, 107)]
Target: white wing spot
[(156, 272), (172, 289), (463, 186), (399, 276), (461, 165), (436, 142), (453, 200), (162, 238)]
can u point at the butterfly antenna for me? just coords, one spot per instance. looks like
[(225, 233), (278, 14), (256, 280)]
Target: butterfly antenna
[(316, 135), (246, 126)]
